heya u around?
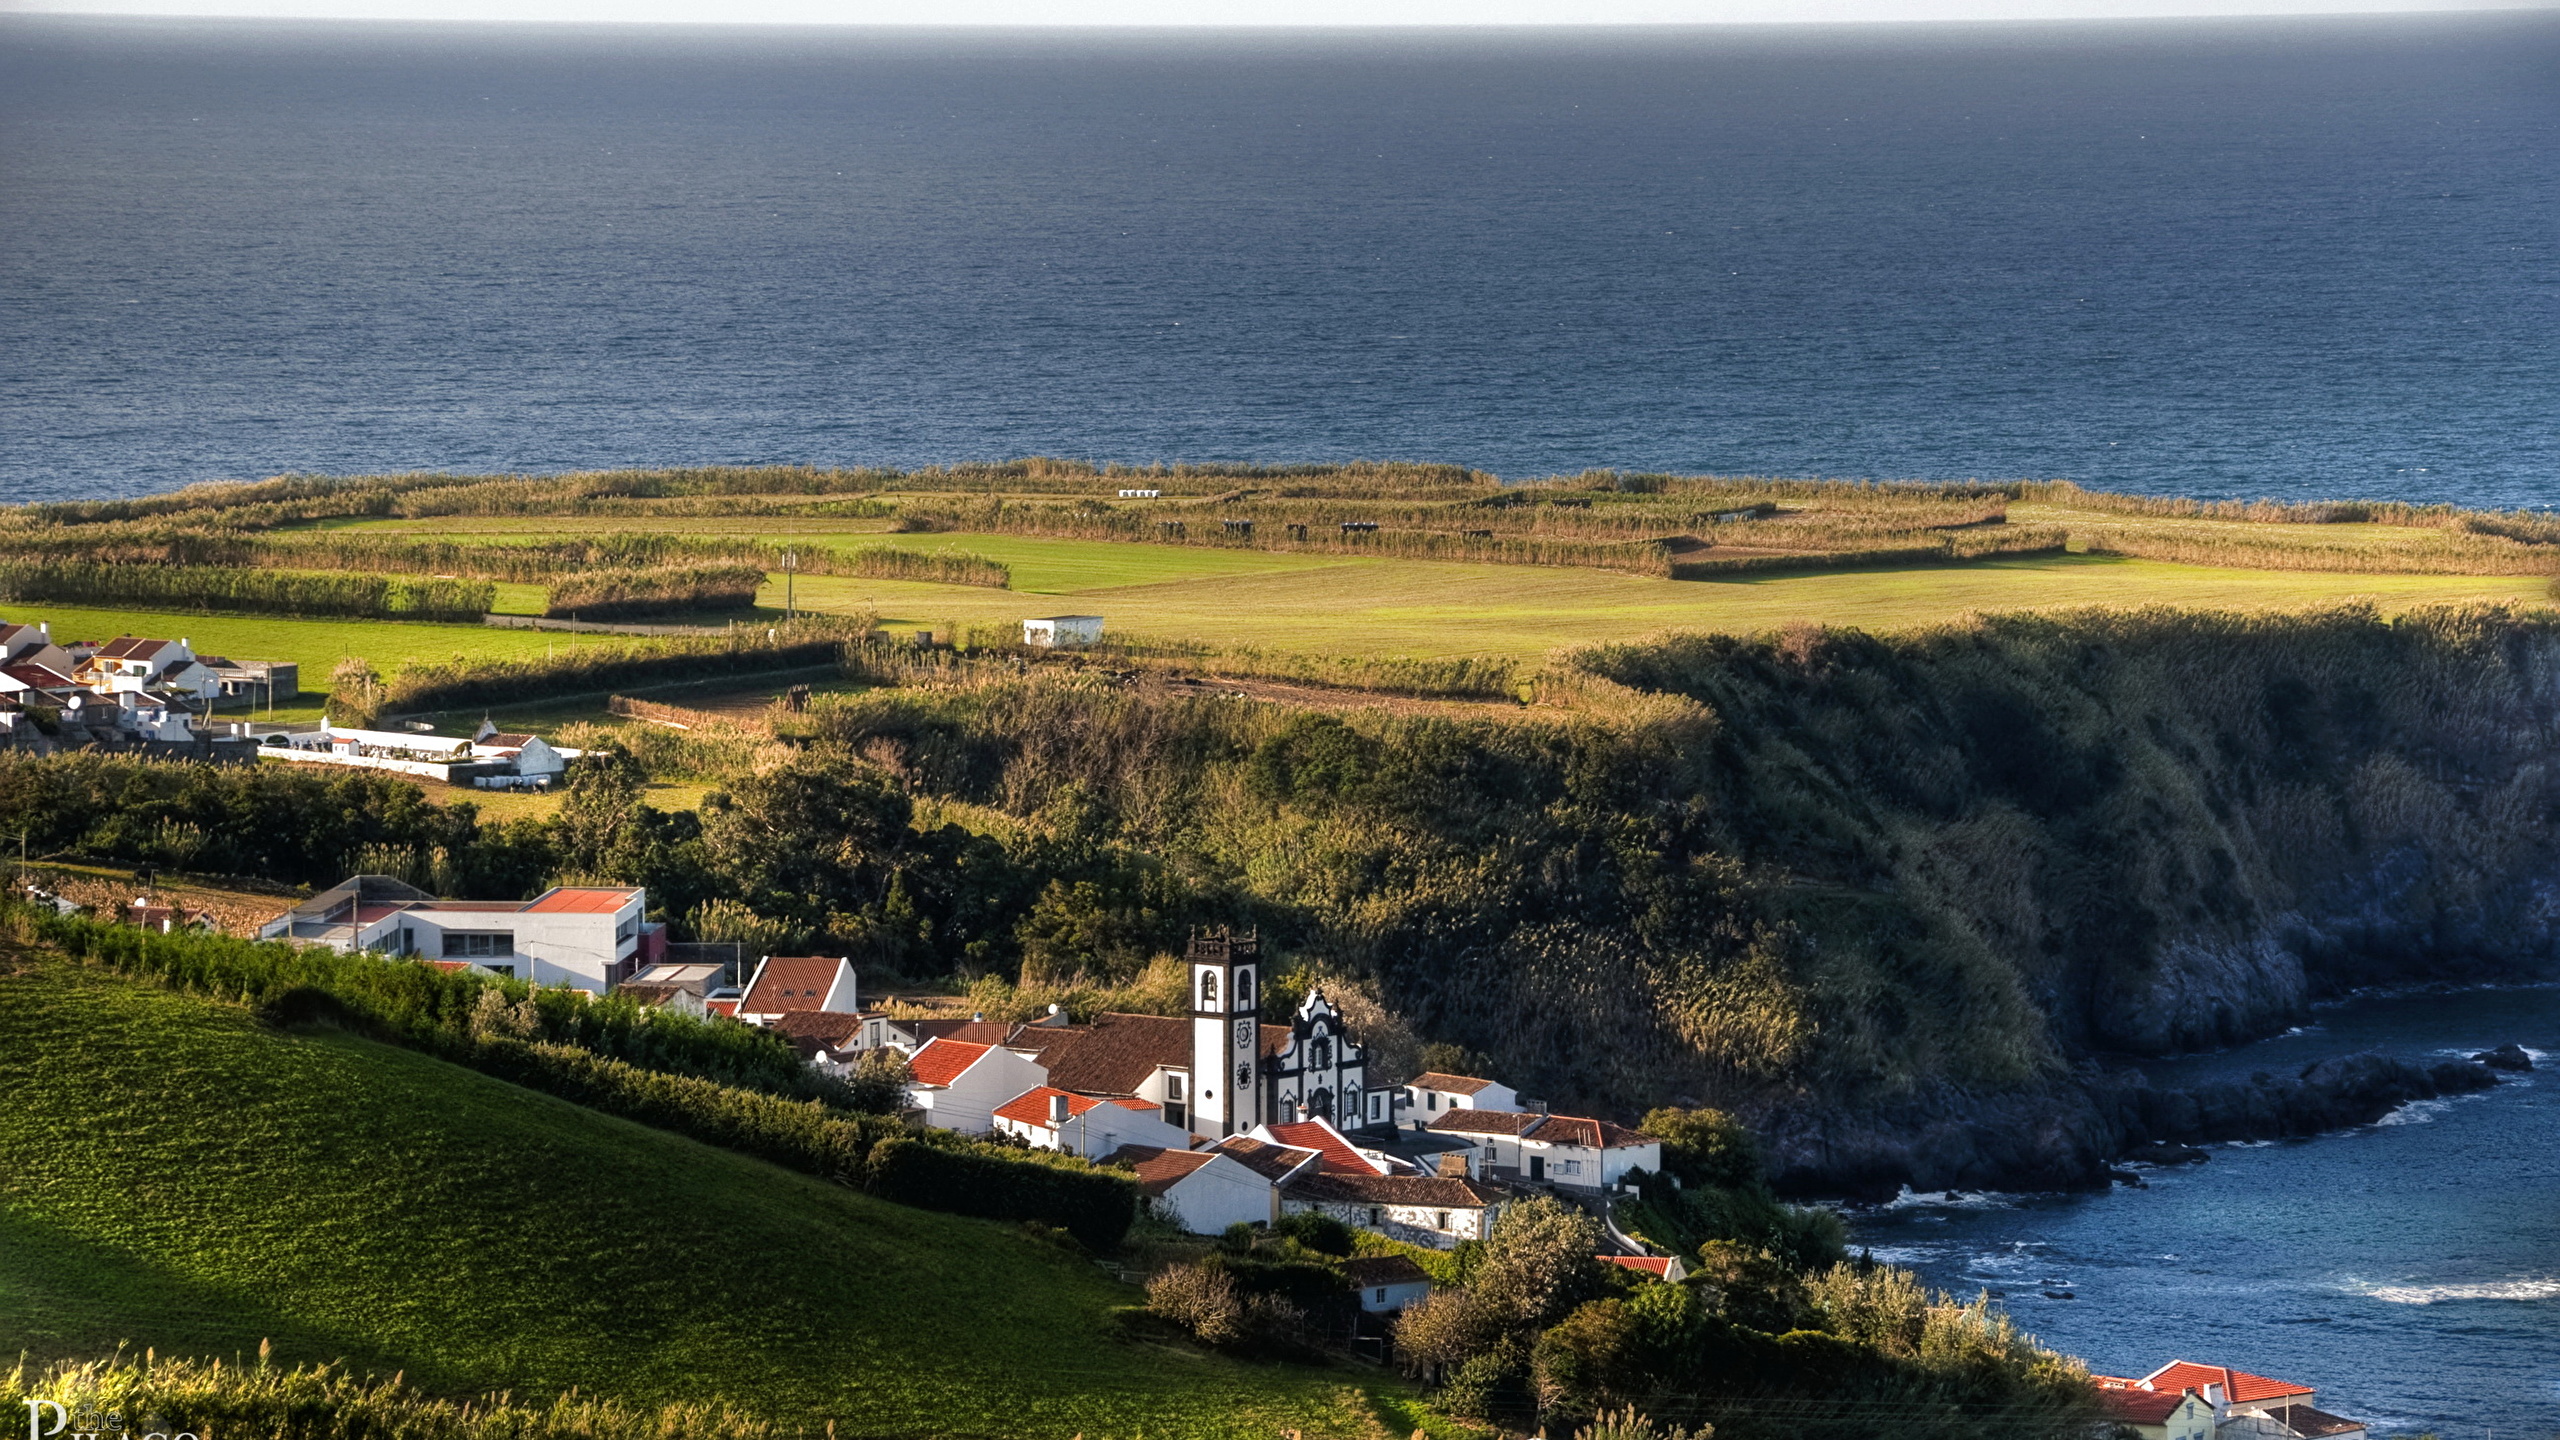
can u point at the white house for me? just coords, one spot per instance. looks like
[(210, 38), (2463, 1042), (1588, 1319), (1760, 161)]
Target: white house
[(33, 645), (785, 983), (2157, 1415), (1054, 631), (2241, 1406), (958, 1084), (128, 665), (1387, 1283), (1428, 1094), (1569, 1150), (1203, 1191), (494, 759), (1051, 1119), (1331, 1146), (1434, 1211), (585, 937)]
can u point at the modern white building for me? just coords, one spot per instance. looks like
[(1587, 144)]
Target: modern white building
[(1058, 631), (129, 665), (584, 937), (493, 760)]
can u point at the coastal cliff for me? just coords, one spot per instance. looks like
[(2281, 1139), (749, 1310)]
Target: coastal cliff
[(2165, 832)]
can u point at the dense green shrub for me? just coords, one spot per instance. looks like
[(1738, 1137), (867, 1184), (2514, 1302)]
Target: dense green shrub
[(932, 1173), (264, 592), (622, 594), (586, 669)]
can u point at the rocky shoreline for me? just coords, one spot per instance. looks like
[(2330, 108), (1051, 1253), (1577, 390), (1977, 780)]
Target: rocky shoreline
[(2074, 1137)]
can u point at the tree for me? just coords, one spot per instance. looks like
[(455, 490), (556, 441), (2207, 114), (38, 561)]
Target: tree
[(879, 1082), (1705, 1147), (1541, 1261), (355, 693)]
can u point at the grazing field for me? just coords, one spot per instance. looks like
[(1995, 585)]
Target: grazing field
[(176, 1174), (1430, 609)]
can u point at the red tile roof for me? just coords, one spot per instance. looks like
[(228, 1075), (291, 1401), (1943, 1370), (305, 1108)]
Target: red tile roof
[(2140, 1407), (1118, 1053), (129, 647), (1657, 1265), (1486, 1122), (1327, 1142), (37, 677), (1031, 1107), (582, 901), (1368, 1272), (1448, 1084), (1271, 1162), (1160, 1169), (722, 1007), (1588, 1133), (835, 1031), (971, 1032), (2238, 1386), (791, 982), (941, 1061), (1446, 1192)]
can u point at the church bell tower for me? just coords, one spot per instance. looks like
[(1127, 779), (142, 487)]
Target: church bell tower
[(1226, 1005)]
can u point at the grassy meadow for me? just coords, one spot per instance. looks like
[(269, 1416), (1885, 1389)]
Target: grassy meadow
[(176, 1174)]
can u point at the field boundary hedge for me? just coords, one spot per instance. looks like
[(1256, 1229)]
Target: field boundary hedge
[(252, 591), (785, 1120)]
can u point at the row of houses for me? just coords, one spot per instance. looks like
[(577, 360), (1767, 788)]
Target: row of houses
[(2183, 1400), (490, 759), (35, 668)]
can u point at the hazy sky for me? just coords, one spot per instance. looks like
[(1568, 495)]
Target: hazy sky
[(1238, 12)]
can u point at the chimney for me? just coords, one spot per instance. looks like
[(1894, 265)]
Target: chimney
[(1454, 1164), (1057, 1111)]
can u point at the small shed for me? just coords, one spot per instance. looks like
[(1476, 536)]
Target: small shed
[(1387, 1283), (1052, 631)]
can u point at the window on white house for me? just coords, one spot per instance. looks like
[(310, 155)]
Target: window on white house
[(473, 944), (1440, 1221), (1431, 1099), (1382, 1294), (1568, 1167), (1377, 1217), (508, 971)]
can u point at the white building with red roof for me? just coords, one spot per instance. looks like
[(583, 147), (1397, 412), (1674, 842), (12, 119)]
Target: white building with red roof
[(585, 937), (1660, 1267), (1048, 1118), (1569, 1150), (783, 984), (1334, 1150), (959, 1084), (1203, 1191), (2240, 1405), (1427, 1094)]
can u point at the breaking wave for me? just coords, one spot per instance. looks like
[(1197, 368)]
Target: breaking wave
[(2478, 1290)]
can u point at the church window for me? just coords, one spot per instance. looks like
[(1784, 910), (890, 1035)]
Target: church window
[(1323, 1053), (1208, 988)]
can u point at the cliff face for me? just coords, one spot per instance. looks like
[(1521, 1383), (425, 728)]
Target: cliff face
[(2163, 831)]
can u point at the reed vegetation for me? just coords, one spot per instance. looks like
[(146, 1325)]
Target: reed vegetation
[(191, 587), (631, 594)]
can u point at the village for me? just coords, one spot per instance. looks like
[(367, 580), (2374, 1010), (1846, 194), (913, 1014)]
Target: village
[(1228, 1118)]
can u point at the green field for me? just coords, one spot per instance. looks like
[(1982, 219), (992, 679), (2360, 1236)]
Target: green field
[(1427, 609), (175, 1174)]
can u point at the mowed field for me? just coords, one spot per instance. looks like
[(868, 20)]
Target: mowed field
[(1351, 606)]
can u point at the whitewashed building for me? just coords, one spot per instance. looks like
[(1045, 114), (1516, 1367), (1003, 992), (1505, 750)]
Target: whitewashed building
[(584, 937), (1060, 631), (1048, 1118), (958, 1084), (1568, 1150), (1434, 1211)]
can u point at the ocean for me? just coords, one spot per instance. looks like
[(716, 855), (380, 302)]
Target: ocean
[(2297, 258), (2410, 1269)]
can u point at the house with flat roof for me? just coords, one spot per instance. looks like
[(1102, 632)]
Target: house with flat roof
[(585, 937), (1060, 631)]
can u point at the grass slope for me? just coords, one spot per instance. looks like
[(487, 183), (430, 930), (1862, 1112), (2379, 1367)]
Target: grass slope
[(174, 1174)]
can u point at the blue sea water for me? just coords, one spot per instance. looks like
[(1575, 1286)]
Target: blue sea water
[(2410, 1270), (2295, 258)]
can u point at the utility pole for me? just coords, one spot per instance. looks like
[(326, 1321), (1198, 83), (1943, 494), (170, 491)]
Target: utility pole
[(790, 592)]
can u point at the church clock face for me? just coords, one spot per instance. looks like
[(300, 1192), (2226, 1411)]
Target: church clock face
[(1244, 1034)]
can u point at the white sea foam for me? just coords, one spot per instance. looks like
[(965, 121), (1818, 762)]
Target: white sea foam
[(1911, 1199), (2416, 1112), (2476, 1290)]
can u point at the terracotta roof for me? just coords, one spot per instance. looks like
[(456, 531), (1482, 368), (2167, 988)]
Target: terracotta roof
[(2140, 1407), (1368, 1272), (1326, 1141), (129, 647), (968, 1032), (791, 982), (1118, 1053), (583, 900), (1271, 1162), (2238, 1386), (1656, 1265), (1486, 1122), (1031, 1107), (450, 966), (830, 1029), (1270, 1040), (1444, 1192), (1159, 1169), (941, 1061), (1589, 1133), (722, 1007), (1448, 1084)]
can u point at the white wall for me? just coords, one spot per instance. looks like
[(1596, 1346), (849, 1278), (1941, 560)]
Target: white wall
[(968, 1104), (1217, 1195)]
